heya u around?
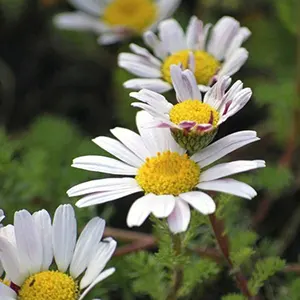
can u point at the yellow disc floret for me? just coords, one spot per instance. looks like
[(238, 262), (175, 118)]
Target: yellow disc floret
[(194, 110), (168, 173), (206, 66), (136, 15), (5, 281), (49, 285)]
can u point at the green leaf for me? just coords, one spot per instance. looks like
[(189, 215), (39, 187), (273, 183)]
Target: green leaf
[(233, 297), (148, 277), (263, 270), (198, 271)]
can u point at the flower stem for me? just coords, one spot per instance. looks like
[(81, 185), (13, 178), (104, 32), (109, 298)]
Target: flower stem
[(223, 242), (177, 271)]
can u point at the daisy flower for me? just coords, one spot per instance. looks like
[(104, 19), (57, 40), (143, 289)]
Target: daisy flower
[(28, 259), (193, 121), (170, 179), (208, 55), (116, 20)]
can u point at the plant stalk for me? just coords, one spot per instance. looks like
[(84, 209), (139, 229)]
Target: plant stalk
[(223, 242), (177, 271)]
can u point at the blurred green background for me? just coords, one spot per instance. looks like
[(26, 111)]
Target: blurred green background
[(59, 89)]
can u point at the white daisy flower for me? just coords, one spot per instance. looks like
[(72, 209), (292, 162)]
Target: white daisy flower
[(193, 121), (27, 260), (116, 20), (170, 179), (208, 55)]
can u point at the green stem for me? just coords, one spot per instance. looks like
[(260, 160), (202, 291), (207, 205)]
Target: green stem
[(177, 277)]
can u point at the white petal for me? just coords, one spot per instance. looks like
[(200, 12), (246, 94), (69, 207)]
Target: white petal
[(166, 8), (204, 36), (230, 95), (172, 36), (224, 146), (10, 262), (182, 93), (93, 7), (155, 139), (103, 164), (238, 102), (64, 236), (229, 186), (226, 169), (180, 217), (155, 113), (8, 232), (98, 279), (103, 197), (237, 41), (118, 150), (78, 21), (42, 221), (154, 99), (222, 34), (140, 210), (132, 141), (139, 65), (193, 33), (86, 246), (6, 292), (102, 185), (191, 85), (29, 243), (214, 96), (103, 254), (203, 88), (2, 215), (163, 205), (200, 201), (156, 85), (234, 62), (155, 44), (111, 38), (143, 52)]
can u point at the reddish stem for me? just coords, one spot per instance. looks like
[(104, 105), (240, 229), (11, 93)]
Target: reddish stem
[(223, 242)]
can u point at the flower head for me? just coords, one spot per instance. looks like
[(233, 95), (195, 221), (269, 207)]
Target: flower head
[(208, 56), (193, 121), (153, 163), (28, 254), (116, 20)]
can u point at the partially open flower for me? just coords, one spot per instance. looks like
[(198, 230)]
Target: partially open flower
[(28, 254), (208, 56), (170, 179), (193, 121), (116, 20)]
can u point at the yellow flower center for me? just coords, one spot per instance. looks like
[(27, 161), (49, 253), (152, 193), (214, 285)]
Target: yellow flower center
[(168, 173), (6, 282), (49, 285), (194, 110), (206, 66), (137, 15)]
